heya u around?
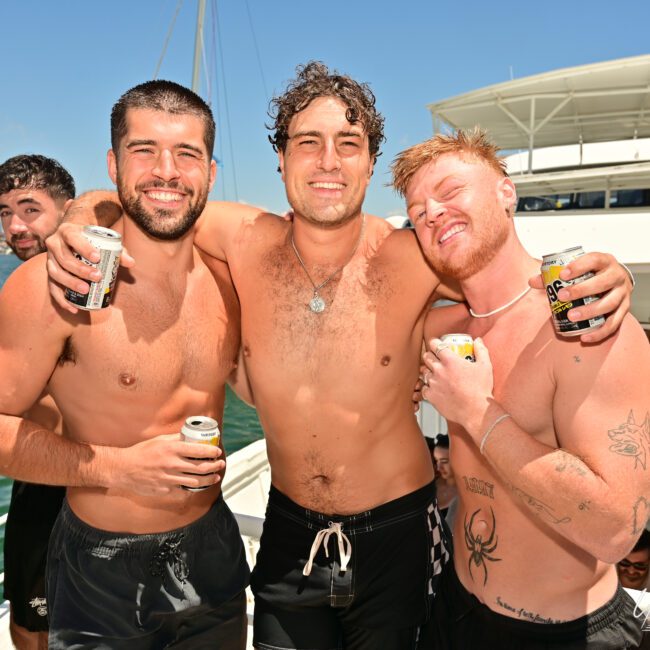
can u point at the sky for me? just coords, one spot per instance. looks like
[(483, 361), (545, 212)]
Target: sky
[(65, 62)]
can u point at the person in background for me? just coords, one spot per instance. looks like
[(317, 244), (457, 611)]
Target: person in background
[(34, 194), (633, 569), (446, 489)]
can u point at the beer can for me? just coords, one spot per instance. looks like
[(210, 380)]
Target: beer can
[(109, 244), (203, 430), (552, 265), (460, 344)]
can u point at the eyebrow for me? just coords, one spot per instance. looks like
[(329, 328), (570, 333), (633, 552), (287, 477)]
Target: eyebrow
[(340, 134), (152, 143)]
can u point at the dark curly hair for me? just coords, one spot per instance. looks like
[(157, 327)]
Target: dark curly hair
[(313, 80), (34, 172)]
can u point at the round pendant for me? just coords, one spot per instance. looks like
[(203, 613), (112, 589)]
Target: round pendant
[(317, 304)]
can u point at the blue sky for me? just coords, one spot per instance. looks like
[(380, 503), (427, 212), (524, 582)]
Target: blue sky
[(65, 62)]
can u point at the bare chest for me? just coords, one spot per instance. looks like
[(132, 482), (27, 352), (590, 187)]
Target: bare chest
[(149, 343)]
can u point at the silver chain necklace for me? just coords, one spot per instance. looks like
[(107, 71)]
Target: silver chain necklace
[(317, 304), (498, 309)]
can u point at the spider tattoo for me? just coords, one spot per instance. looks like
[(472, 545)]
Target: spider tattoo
[(480, 550)]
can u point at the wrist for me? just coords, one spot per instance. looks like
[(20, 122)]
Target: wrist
[(483, 418), (99, 470)]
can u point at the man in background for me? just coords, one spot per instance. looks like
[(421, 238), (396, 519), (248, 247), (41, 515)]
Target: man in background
[(34, 193), (633, 568)]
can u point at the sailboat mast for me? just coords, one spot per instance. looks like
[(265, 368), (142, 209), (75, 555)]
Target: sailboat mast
[(198, 48)]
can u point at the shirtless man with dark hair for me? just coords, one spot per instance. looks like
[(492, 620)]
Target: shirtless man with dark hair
[(34, 194), (333, 305), (134, 560), (548, 423)]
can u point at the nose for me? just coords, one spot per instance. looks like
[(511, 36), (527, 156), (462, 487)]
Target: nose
[(329, 159), (434, 211), (16, 225), (165, 168)]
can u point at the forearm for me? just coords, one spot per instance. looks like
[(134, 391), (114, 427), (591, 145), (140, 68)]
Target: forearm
[(30, 453), (561, 489), (98, 207)]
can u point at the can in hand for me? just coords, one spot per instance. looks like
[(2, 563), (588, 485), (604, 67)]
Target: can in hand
[(552, 265), (203, 430), (109, 244), (460, 344)]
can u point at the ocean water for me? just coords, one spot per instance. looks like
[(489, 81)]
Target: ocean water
[(240, 427)]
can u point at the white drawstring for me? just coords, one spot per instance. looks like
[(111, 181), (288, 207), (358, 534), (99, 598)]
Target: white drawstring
[(322, 536)]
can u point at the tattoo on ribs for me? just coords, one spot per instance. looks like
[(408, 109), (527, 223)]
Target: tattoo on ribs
[(541, 509), (480, 550), (632, 439), (525, 614), (479, 486), (577, 358), (641, 512)]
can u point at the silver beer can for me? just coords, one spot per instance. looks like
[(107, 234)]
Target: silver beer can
[(203, 430), (109, 244), (552, 265)]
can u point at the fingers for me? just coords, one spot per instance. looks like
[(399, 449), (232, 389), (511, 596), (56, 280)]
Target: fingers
[(594, 262)]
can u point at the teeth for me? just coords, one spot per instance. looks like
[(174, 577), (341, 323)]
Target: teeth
[(328, 186), (452, 231), (165, 196)]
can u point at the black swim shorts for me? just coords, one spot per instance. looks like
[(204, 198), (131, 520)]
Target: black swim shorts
[(32, 512), (461, 622), (178, 589), (371, 576)]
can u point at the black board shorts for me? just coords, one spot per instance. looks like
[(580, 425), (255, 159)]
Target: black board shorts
[(461, 622), (178, 589), (33, 509), (370, 587)]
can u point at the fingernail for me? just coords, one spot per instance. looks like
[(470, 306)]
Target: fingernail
[(574, 315), (565, 274), (95, 276), (563, 295)]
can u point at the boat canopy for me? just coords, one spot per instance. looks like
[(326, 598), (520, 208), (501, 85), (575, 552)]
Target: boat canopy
[(590, 103)]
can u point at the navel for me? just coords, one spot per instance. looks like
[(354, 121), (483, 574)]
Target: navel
[(385, 360), (247, 351)]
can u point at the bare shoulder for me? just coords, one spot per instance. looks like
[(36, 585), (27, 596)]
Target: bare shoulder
[(25, 297), (626, 351), (32, 332), (444, 319)]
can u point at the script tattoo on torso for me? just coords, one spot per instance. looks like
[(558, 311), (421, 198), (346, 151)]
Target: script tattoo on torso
[(479, 486)]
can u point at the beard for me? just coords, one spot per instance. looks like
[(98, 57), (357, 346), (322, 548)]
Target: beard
[(27, 253), (460, 267), (160, 223)]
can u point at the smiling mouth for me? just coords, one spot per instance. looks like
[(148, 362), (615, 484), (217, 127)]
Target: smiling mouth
[(452, 231), (164, 196), (327, 186)]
